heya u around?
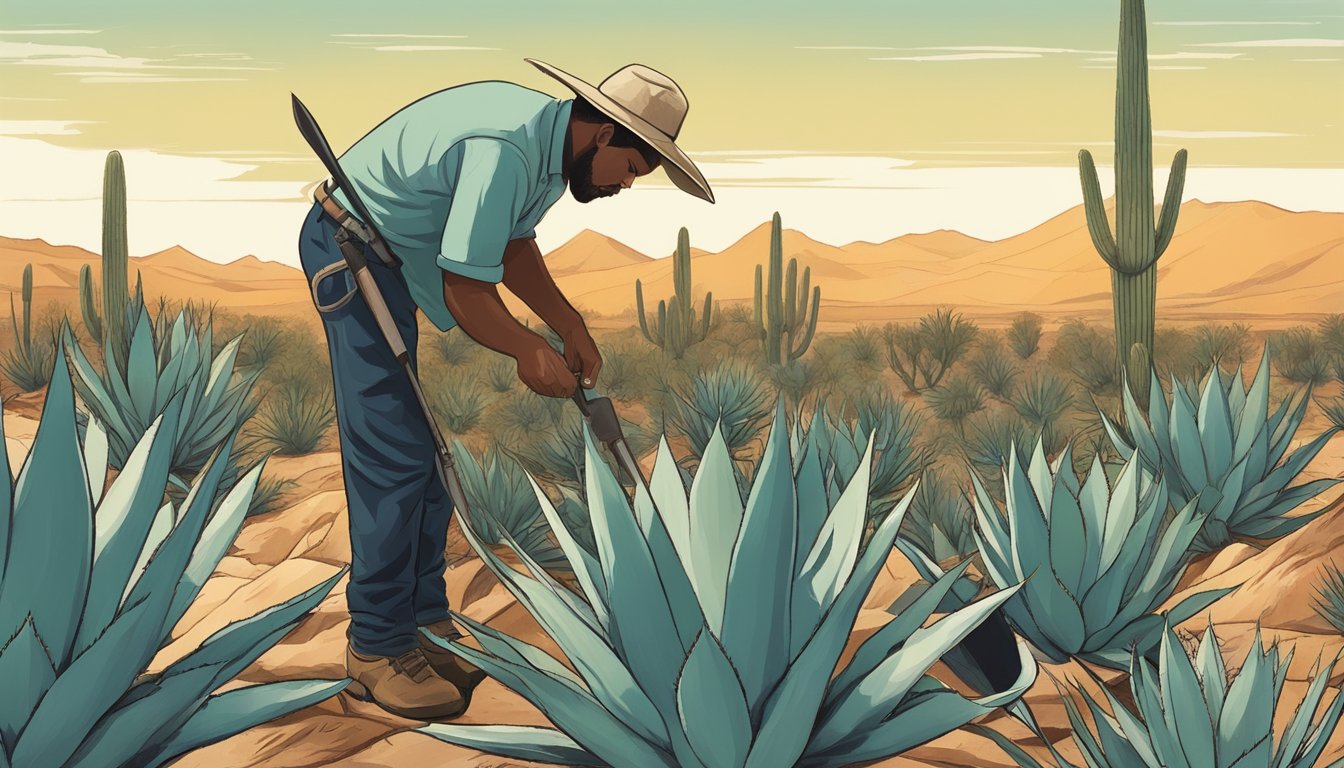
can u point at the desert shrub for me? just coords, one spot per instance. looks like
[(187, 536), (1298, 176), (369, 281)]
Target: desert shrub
[(1330, 597), (921, 354), (455, 347), (992, 369), (732, 395), (501, 373), (721, 636), (502, 504), (28, 365), (1042, 402), (1024, 336), (1331, 331), (865, 346), (294, 417), (956, 400), (939, 520), (263, 341), (459, 403), (266, 498), (795, 380), (1300, 357), (1087, 354), (990, 436)]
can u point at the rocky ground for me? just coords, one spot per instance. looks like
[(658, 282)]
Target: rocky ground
[(280, 554)]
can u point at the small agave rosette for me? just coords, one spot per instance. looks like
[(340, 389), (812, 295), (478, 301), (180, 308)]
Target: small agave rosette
[(1228, 451), (1187, 713), (705, 631), (1097, 558)]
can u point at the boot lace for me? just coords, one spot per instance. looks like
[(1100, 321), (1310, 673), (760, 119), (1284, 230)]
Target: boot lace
[(413, 664)]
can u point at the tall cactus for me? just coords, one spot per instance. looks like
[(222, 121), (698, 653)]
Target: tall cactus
[(780, 307), (676, 327), (1133, 252), (28, 365), (112, 320)]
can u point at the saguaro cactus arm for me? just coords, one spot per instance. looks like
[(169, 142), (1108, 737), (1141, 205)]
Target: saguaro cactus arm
[(1171, 204), (1095, 206)]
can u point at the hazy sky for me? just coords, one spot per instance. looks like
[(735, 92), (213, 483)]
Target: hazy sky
[(781, 94)]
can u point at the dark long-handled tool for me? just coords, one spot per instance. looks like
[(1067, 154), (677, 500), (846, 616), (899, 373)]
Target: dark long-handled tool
[(599, 413)]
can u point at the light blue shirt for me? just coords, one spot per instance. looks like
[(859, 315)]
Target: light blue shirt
[(453, 177)]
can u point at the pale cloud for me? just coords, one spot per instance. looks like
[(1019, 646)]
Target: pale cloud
[(421, 48), (1221, 134), (113, 76), (1181, 56), (1235, 23), (1317, 60), (112, 67), (960, 57), (1291, 43), (1005, 49), (397, 34), (50, 31), (41, 127)]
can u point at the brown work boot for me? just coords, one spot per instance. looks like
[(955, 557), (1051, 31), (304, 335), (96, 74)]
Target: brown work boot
[(446, 664), (403, 685)]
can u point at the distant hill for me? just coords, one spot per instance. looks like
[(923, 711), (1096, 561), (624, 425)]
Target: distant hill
[(590, 251), (1227, 261)]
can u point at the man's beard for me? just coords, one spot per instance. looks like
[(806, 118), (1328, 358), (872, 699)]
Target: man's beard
[(581, 179)]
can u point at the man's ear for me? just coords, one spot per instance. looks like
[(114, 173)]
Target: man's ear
[(604, 134)]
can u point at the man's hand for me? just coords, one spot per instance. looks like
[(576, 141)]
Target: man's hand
[(543, 371), (581, 355)]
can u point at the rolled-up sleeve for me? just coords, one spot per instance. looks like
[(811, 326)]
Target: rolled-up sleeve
[(489, 192)]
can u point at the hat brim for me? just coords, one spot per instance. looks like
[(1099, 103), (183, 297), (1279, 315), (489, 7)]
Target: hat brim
[(679, 168)]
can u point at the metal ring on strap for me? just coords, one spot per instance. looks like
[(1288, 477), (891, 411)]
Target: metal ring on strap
[(321, 274)]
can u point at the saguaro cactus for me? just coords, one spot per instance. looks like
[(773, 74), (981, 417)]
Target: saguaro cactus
[(115, 296), (676, 327), (781, 308), (1133, 252)]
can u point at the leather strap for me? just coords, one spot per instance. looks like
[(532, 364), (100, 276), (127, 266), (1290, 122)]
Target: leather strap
[(343, 218)]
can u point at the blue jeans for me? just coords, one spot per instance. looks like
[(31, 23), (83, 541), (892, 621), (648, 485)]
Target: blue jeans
[(398, 507)]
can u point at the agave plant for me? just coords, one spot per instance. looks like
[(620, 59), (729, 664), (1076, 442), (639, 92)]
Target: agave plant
[(1098, 558), (1330, 597), (939, 521), (1188, 713), (501, 502), (1228, 452), (839, 441), (731, 395), (705, 632), (94, 581), (160, 365)]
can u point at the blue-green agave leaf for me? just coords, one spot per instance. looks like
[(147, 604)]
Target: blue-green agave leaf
[(51, 530), (716, 515), (713, 707), (521, 742), (28, 673), (760, 579)]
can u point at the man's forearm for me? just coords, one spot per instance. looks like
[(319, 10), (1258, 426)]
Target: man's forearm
[(482, 315), (526, 275)]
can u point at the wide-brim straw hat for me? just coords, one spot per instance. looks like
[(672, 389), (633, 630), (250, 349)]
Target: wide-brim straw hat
[(652, 106)]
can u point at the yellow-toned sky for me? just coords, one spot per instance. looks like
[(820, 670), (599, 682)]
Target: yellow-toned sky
[(979, 84)]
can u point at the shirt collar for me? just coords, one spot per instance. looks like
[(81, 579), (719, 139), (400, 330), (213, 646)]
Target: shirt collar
[(555, 147)]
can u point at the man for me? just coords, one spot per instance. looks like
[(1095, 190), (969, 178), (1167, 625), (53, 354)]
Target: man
[(456, 183)]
